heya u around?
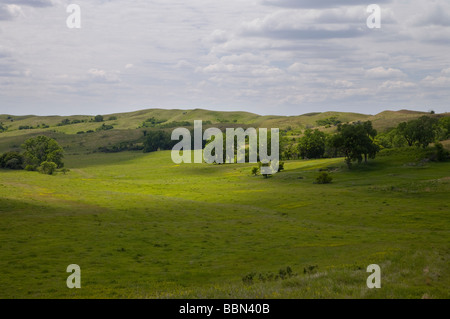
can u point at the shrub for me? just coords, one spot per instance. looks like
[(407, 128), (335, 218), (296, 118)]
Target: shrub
[(12, 160), (112, 118), (310, 269), (324, 178), (30, 168), (25, 127), (280, 166), (248, 279), (47, 168), (98, 118), (104, 127), (255, 170), (283, 274), (441, 153)]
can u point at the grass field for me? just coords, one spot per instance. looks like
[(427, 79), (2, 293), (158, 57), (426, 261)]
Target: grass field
[(140, 226)]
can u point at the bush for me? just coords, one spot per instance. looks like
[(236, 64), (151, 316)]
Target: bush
[(47, 168), (442, 154), (310, 269), (104, 127), (30, 168), (112, 118), (25, 127), (324, 178), (255, 170), (98, 118), (12, 160)]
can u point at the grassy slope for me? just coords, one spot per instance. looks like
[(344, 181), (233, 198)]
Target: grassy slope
[(140, 226), (126, 124)]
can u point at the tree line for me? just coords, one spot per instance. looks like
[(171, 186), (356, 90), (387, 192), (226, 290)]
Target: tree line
[(359, 141)]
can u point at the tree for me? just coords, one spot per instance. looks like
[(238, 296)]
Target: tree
[(369, 148), (157, 140), (444, 123), (98, 118), (41, 149), (312, 144), (390, 139), (47, 168), (12, 160), (419, 132), (355, 142), (426, 130)]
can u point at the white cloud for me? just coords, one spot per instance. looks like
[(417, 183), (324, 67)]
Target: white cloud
[(438, 82), (10, 11), (393, 85), (382, 73), (103, 76)]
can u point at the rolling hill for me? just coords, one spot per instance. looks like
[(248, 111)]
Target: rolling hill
[(127, 127)]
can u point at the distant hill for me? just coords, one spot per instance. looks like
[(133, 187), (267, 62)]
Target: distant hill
[(128, 127)]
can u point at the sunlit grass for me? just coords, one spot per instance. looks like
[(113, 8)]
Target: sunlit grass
[(141, 227)]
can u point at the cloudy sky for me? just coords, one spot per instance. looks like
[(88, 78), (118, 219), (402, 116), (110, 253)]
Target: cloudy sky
[(264, 56)]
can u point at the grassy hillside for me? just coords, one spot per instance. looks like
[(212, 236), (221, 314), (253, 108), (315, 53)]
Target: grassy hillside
[(126, 126), (140, 226)]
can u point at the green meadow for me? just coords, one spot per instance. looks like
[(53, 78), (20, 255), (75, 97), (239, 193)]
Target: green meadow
[(140, 226)]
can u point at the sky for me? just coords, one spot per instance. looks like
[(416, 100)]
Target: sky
[(281, 57)]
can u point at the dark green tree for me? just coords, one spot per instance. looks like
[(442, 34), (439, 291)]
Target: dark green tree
[(419, 132), (98, 118), (41, 149), (47, 168), (12, 160), (157, 140), (444, 124), (312, 144), (355, 142)]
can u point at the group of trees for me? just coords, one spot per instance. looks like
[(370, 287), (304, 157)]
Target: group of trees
[(157, 140), (419, 132), (41, 153), (360, 141), (353, 141), (329, 121)]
